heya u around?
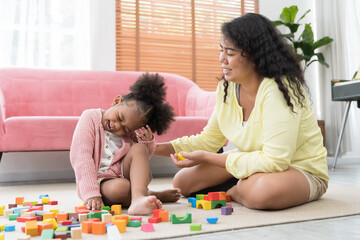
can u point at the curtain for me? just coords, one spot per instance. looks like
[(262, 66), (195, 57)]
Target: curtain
[(45, 33), (341, 21)]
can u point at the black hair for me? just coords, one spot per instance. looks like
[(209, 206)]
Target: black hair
[(149, 92), (262, 43)]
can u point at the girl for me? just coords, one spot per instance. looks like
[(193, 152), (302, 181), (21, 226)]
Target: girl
[(111, 149)]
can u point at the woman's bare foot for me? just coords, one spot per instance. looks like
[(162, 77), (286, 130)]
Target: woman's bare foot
[(166, 196), (144, 205)]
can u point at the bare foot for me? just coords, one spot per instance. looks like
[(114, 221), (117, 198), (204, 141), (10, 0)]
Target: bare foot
[(166, 196), (144, 205)]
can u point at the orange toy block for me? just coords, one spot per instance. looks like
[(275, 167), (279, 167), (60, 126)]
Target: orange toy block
[(54, 210), (228, 198), (222, 196), (121, 217), (49, 215), (116, 209), (52, 221), (19, 200), (62, 217), (164, 215), (86, 227), (76, 233), (156, 212), (121, 225), (43, 226), (99, 228), (80, 207), (154, 219), (31, 228)]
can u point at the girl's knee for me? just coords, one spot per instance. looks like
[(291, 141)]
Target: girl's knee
[(116, 190)]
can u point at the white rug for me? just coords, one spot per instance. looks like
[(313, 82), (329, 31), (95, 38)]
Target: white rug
[(338, 201)]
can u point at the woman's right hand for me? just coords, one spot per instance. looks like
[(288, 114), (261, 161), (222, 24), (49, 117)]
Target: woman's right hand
[(94, 203), (191, 159)]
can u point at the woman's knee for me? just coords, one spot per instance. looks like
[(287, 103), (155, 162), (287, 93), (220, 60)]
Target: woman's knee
[(182, 181)]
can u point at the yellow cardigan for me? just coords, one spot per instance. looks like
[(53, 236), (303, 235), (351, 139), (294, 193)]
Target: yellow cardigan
[(273, 139)]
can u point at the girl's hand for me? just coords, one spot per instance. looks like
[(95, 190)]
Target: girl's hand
[(191, 159), (144, 134), (94, 203)]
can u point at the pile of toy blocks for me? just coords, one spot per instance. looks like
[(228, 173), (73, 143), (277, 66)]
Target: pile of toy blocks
[(212, 200)]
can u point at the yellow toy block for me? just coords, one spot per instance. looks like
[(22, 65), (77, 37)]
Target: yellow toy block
[(54, 210), (180, 157), (206, 205), (2, 236), (31, 228), (2, 208), (45, 200), (121, 225), (52, 221), (2, 227), (116, 209), (48, 215)]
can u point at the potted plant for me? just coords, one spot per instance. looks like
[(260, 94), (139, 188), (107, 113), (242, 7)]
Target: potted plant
[(304, 45)]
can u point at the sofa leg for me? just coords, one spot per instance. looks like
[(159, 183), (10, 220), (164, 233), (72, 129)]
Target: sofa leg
[(0, 156)]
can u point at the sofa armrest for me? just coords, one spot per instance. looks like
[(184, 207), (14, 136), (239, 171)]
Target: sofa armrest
[(199, 102), (2, 112)]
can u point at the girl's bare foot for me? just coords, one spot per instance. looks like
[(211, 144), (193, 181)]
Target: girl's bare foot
[(144, 205), (166, 196)]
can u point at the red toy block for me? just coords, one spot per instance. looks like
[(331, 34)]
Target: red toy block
[(147, 227), (213, 196), (156, 212), (206, 198), (93, 220), (154, 219), (24, 219), (53, 203), (82, 211), (86, 227), (99, 228), (61, 235), (36, 208), (66, 222), (228, 198)]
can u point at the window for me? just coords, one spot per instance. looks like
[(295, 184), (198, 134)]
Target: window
[(175, 36)]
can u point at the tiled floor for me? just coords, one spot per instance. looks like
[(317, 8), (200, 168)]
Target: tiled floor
[(331, 229)]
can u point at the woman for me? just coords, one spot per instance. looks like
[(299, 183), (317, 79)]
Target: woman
[(261, 108)]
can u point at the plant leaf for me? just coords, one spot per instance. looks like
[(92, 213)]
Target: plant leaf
[(278, 23), (289, 13), (322, 42), (304, 15), (307, 50), (292, 26), (321, 59), (308, 35)]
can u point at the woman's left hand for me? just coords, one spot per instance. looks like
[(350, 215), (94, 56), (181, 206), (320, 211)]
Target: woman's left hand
[(191, 159), (144, 134)]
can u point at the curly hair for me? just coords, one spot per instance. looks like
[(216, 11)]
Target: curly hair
[(261, 42), (149, 92)]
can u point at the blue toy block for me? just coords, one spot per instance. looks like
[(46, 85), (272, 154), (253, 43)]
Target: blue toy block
[(43, 195), (9, 228), (192, 201), (17, 210), (212, 220)]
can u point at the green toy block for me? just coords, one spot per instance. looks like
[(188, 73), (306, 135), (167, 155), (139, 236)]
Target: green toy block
[(13, 216), (195, 227), (178, 220), (62, 229), (107, 208), (96, 214), (214, 204), (134, 223), (47, 234), (200, 196), (32, 202)]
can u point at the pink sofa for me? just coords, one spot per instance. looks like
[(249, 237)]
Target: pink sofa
[(39, 108)]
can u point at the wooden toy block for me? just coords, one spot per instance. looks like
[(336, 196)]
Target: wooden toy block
[(121, 225), (195, 227), (106, 217), (218, 204), (62, 229), (62, 217), (23, 211), (2, 227), (222, 196), (31, 228), (66, 222), (12, 205), (23, 229), (113, 233), (2, 236), (9, 228), (38, 204), (93, 220), (36, 208), (13, 217), (43, 226), (52, 221), (116, 208), (156, 212), (86, 227), (82, 217), (48, 215), (30, 214), (2, 208), (39, 218), (77, 208), (177, 220), (53, 202), (19, 200), (76, 233), (206, 205), (226, 210), (213, 196), (7, 213), (17, 210), (25, 237), (28, 204), (212, 220), (147, 227), (154, 219), (43, 195), (97, 214), (134, 223), (25, 219), (98, 228), (192, 202), (200, 196), (47, 234), (82, 211), (107, 208), (60, 235), (228, 197), (164, 215), (45, 200), (74, 215), (180, 157), (121, 217), (54, 210)]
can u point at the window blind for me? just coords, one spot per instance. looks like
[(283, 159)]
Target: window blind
[(175, 36)]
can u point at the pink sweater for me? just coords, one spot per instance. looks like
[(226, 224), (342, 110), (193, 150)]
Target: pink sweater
[(86, 152)]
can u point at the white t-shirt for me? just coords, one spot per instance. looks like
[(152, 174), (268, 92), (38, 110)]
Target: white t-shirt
[(112, 143)]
